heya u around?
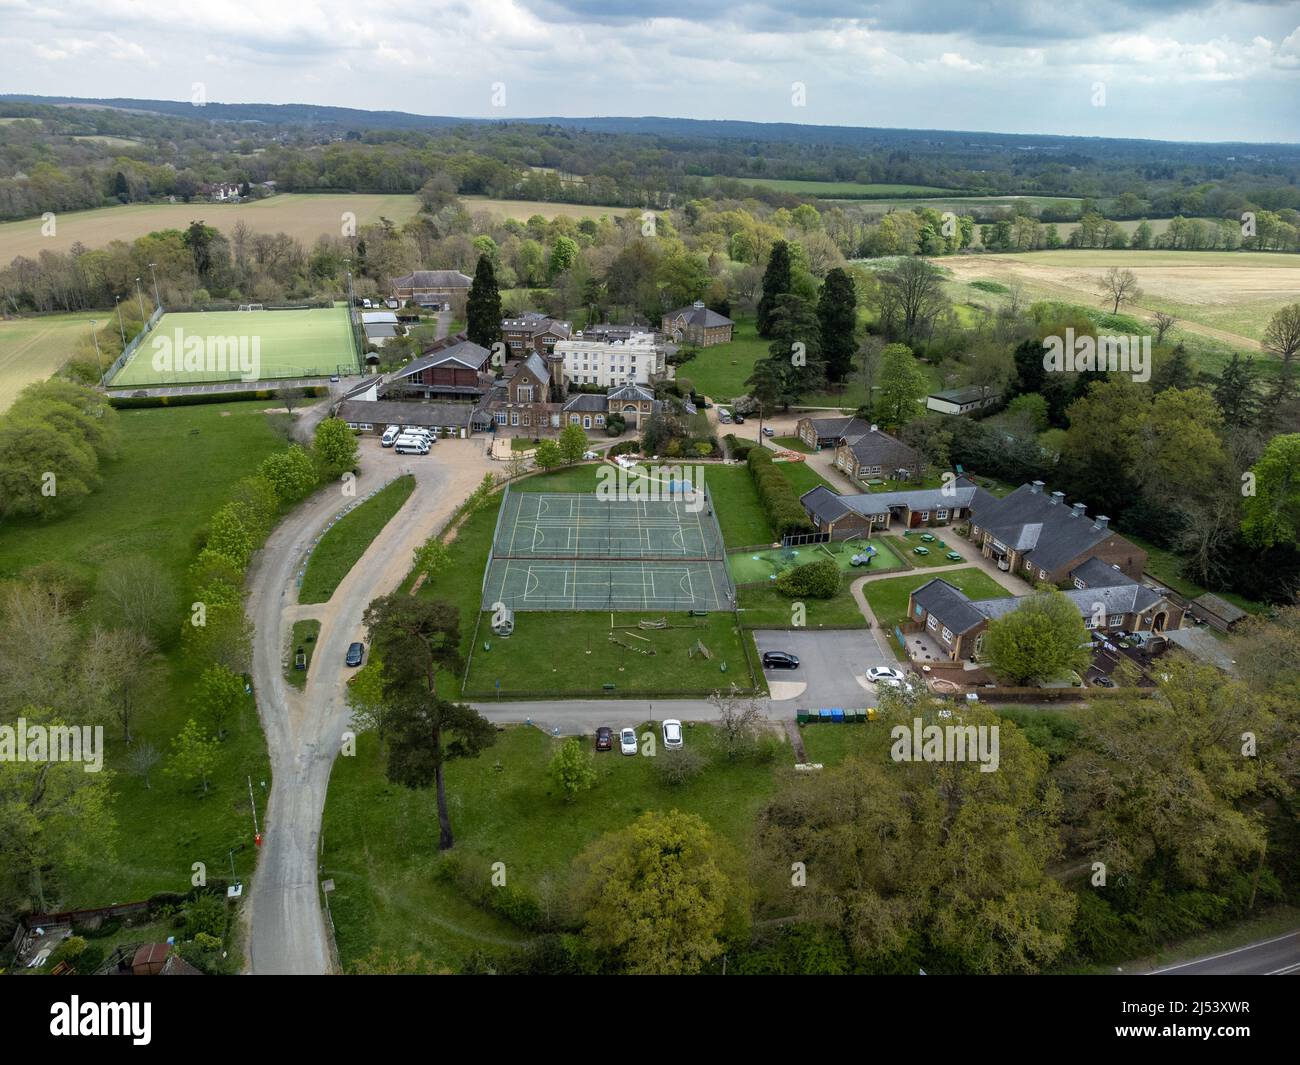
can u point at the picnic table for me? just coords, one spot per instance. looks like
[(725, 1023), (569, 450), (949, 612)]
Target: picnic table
[(952, 556), (920, 550), (927, 537)]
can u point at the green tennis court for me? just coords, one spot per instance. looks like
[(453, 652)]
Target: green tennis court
[(200, 347), (575, 551)]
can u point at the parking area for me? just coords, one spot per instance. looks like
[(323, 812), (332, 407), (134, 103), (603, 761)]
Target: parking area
[(832, 665)]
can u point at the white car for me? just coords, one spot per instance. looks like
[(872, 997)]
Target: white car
[(627, 741), (590, 455), (672, 734), (877, 674)]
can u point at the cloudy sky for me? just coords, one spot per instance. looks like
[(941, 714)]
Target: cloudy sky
[(1170, 69)]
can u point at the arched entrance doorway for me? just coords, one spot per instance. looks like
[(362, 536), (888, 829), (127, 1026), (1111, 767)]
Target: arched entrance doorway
[(1160, 621)]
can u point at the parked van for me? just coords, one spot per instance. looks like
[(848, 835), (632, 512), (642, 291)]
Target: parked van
[(411, 445), (390, 436)]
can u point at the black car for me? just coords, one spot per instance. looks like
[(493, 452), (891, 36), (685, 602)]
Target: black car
[(779, 660), (356, 652), (738, 418), (604, 739)]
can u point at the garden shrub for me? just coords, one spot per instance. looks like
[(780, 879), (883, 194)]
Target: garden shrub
[(812, 580)]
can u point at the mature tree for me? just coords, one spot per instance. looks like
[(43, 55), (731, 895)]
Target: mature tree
[(794, 365), (38, 642), (924, 863), (194, 755), (1043, 639), (572, 443), (141, 595), (902, 384), (564, 252), (119, 669), (1118, 287), (141, 760), (989, 368), (572, 769), (548, 455), (739, 724), (290, 472), (1235, 392), (415, 639), (908, 299), (54, 817), (837, 316), (1173, 370), (776, 283), (1160, 787), (218, 697), (220, 632), (335, 447), (655, 895), (1282, 338), (1163, 323), (483, 307), (1271, 515)]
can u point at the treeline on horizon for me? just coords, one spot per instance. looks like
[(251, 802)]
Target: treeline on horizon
[(46, 164)]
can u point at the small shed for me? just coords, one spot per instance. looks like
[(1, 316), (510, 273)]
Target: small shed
[(503, 622), (150, 959), (1216, 612)]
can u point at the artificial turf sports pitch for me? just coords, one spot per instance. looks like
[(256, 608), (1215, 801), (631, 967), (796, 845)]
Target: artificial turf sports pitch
[(313, 342)]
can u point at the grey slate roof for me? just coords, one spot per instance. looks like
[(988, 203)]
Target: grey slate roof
[(466, 354), (950, 605), (631, 391), (433, 279), (823, 504), (916, 499), (537, 367), (392, 412), (973, 394), (881, 449), (587, 401), (1050, 533), (1096, 573), (1209, 603), (700, 316), (840, 428)]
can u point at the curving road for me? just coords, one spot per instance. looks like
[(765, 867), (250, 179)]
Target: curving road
[(285, 921)]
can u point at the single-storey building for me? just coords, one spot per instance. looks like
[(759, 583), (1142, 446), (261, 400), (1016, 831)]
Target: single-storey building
[(845, 517), (877, 456), (961, 400), (1217, 612), (1108, 601), (445, 419), (1041, 539), (830, 432)]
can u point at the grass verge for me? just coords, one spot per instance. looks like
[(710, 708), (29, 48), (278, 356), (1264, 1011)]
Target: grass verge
[(347, 541)]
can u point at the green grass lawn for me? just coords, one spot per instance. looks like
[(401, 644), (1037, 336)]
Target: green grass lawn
[(299, 343), (906, 547), (793, 443), (380, 840), (832, 744), (888, 598), (529, 662), (347, 541), (735, 502), (747, 567), (720, 372), (521, 443), (305, 634), (767, 608), (803, 478), (566, 479), (177, 466)]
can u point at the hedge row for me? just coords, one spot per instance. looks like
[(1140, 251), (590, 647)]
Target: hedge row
[(193, 399), (779, 500)]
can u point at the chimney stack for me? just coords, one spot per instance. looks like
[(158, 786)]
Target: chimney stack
[(1058, 497), (1036, 487), (1078, 510), (1101, 522)]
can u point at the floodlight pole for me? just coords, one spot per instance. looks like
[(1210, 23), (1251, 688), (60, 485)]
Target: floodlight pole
[(94, 335), (157, 299), (117, 302), (140, 296)]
